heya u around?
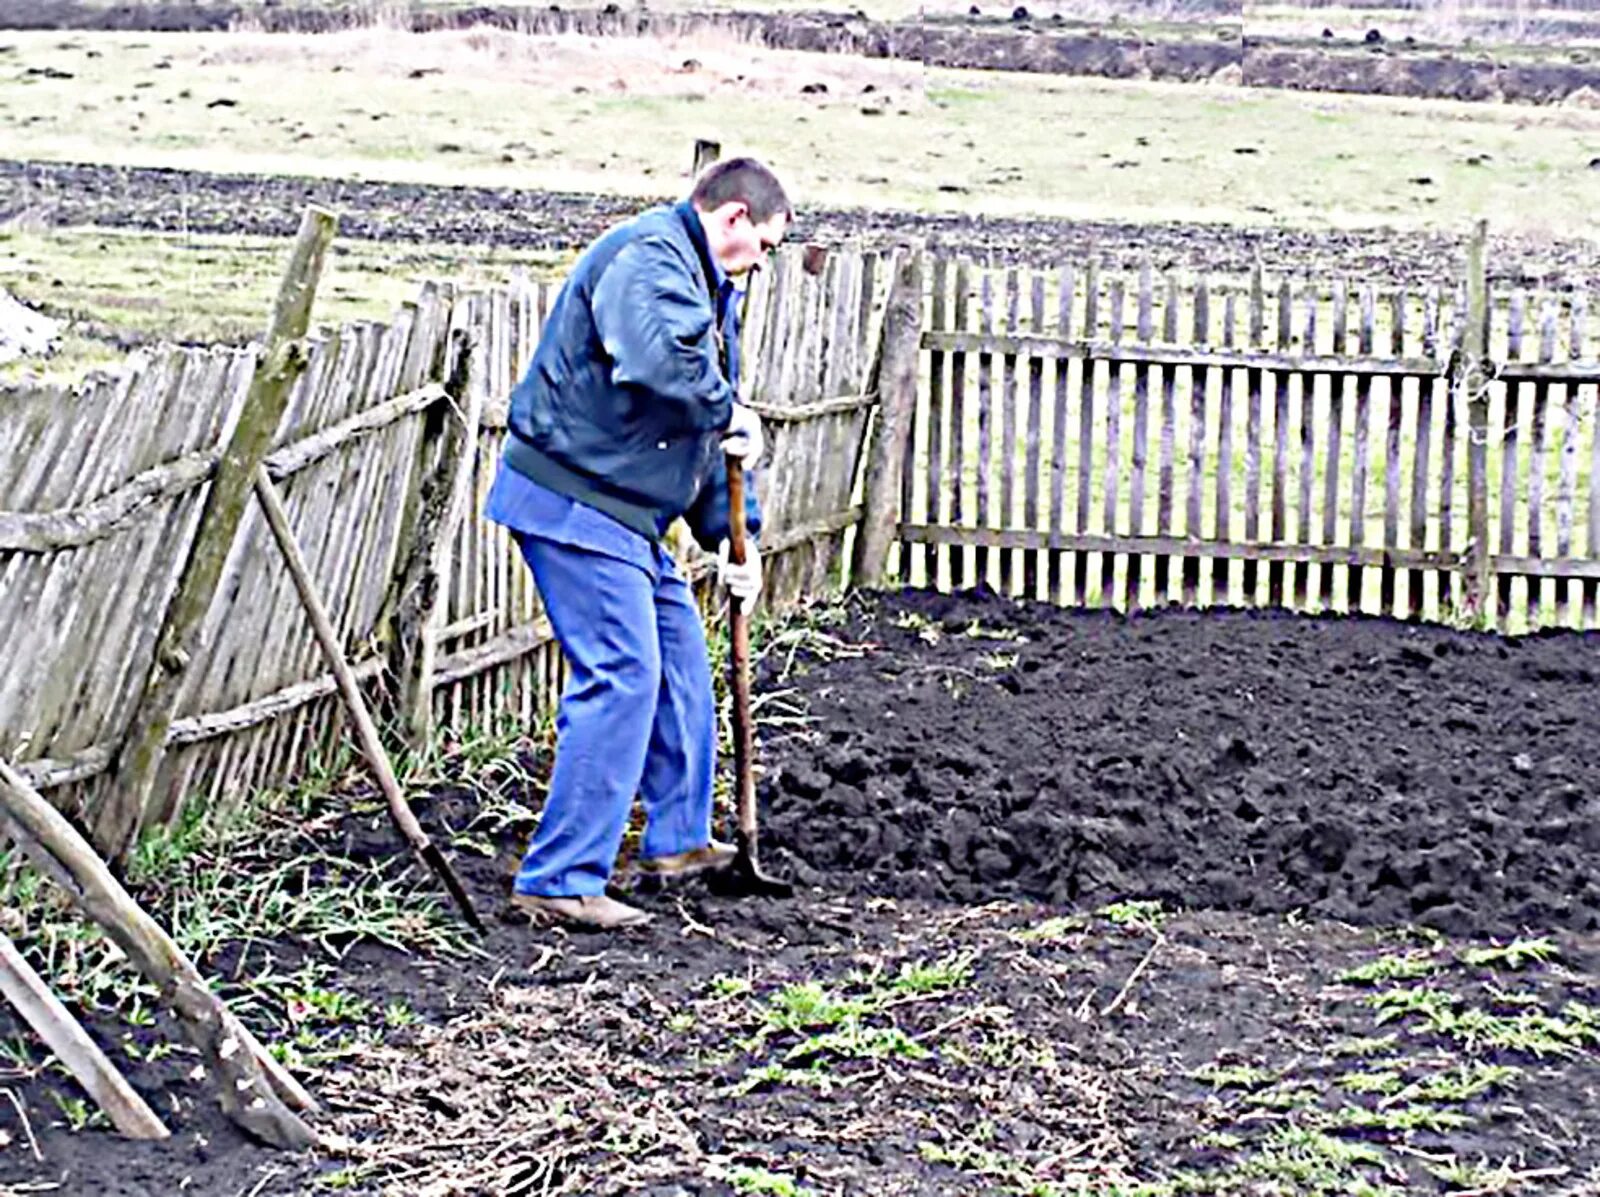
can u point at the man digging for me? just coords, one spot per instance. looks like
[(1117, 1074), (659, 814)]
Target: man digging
[(619, 428)]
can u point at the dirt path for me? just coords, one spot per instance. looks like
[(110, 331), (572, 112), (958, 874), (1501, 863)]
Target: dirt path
[(1087, 902), (200, 202)]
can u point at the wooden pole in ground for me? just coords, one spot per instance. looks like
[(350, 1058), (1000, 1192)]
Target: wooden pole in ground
[(1471, 382), (366, 729), (705, 153), (53, 1023), (421, 577), (254, 1089), (282, 359), (895, 378)]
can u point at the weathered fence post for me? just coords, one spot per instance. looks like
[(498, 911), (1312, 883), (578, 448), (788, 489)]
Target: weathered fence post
[(53, 1023), (139, 755), (254, 1089), (424, 562), (1470, 382), (895, 380), (705, 153)]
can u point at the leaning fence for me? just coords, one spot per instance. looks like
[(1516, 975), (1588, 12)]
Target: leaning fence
[(102, 489), (1073, 435)]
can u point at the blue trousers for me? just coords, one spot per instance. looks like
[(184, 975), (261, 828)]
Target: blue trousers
[(637, 717)]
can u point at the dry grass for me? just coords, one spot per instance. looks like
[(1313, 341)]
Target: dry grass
[(708, 65)]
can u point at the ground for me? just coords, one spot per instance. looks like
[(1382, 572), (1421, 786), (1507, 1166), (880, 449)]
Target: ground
[(1088, 904)]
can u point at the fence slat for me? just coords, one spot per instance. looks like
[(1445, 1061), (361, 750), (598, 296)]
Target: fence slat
[(1086, 367), (938, 415), (1308, 580), (1280, 446), (1113, 474), (1391, 455), (985, 434), (1060, 562), (1008, 437), (1363, 438), (1169, 436), (1199, 389), (1330, 482), (958, 419), (1510, 440), (1252, 437), (1569, 597), (1579, 317), (1417, 536), (1031, 447), (1137, 482), (1539, 448), (1221, 577)]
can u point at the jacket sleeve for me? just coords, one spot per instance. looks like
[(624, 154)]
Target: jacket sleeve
[(707, 517), (656, 325)]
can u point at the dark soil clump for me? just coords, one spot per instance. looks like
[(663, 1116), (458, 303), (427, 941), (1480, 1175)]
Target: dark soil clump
[(1352, 768)]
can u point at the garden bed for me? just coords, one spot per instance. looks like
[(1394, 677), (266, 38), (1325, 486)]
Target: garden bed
[(1215, 902)]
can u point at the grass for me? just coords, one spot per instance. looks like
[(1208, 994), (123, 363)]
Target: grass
[(122, 288), (937, 140)]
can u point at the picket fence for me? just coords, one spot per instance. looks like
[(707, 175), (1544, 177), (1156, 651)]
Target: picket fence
[(1129, 441), (1075, 436)]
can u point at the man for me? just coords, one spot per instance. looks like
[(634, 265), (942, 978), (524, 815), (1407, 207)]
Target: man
[(619, 428)]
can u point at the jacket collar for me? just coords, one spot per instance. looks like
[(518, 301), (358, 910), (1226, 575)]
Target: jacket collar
[(715, 279)]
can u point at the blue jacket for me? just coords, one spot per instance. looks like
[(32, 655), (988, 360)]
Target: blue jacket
[(633, 383)]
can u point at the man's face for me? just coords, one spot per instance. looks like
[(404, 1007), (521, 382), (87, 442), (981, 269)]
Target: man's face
[(738, 243)]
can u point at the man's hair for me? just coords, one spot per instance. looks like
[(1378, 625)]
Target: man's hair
[(741, 181)]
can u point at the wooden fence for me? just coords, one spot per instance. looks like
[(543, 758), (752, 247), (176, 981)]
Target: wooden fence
[(1126, 441), (1078, 437), (102, 485)]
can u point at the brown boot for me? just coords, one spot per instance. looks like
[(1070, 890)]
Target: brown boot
[(591, 913), (708, 857)]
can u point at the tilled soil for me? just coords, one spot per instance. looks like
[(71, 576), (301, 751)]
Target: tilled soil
[(1081, 897), (1352, 768), (262, 205)]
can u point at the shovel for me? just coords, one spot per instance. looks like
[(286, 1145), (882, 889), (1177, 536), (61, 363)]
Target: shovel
[(744, 875)]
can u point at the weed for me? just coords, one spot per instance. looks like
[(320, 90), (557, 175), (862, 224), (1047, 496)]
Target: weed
[(1515, 955), (999, 662), (857, 1042), (1381, 1081), (1232, 1076), (759, 1180), (1459, 1084), (1407, 967), (1401, 1120), (1052, 930), (681, 1023), (1146, 915), (80, 1115), (728, 986), (952, 972), (1365, 1046), (807, 1004), (397, 1015), (978, 630)]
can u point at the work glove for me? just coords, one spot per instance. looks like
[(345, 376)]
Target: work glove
[(743, 438), (742, 581)]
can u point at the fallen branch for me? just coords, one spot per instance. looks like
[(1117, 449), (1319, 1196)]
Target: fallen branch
[(1138, 971), (251, 1087)]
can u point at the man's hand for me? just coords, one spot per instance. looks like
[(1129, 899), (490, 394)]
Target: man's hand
[(742, 581), (743, 438)]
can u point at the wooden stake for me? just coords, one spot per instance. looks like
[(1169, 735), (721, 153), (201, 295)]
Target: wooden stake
[(282, 358), (366, 730), (897, 387), (1469, 383), (425, 564), (252, 1093), (26, 990)]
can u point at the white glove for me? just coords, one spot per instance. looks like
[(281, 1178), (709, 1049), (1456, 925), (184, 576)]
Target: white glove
[(742, 581), (743, 438)]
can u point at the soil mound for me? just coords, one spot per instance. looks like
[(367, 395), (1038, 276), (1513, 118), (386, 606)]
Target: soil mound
[(1350, 767)]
